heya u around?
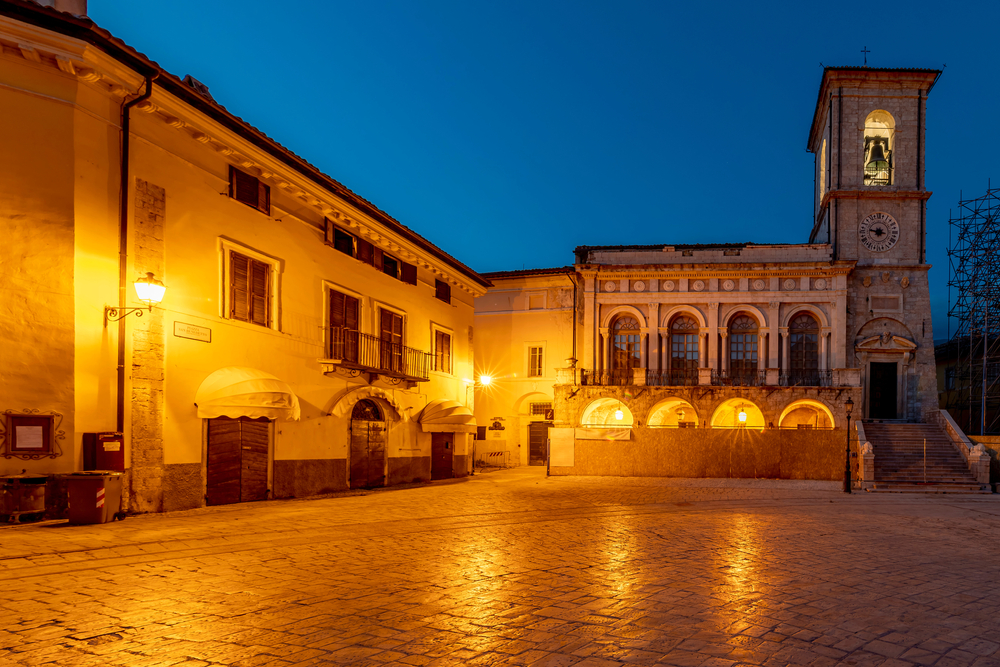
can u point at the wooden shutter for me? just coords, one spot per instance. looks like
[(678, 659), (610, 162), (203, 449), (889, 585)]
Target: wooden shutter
[(442, 290), (328, 231), (259, 293), (263, 198), (239, 287), (366, 252), (336, 309), (378, 259), (409, 273), (442, 352), (350, 313)]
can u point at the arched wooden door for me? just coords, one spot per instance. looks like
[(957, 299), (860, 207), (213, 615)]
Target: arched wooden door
[(367, 446)]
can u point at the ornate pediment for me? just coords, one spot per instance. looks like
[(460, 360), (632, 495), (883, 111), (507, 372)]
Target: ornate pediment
[(886, 342)]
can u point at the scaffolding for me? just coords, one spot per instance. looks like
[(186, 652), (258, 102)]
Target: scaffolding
[(971, 358)]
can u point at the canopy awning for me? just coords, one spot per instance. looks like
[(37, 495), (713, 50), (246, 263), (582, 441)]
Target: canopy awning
[(444, 416), (236, 391)]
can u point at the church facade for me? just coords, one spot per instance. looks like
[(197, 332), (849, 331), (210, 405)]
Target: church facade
[(735, 360)]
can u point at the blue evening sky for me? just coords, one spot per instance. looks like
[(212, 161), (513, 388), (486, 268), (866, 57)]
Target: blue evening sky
[(510, 132)]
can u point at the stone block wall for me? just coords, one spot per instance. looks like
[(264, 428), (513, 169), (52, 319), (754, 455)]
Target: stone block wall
[(146, 479)]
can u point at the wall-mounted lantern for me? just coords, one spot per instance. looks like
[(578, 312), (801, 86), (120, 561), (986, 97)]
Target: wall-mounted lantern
[(149, 290)]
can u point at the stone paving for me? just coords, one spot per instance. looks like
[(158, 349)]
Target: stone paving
[(511, 568)]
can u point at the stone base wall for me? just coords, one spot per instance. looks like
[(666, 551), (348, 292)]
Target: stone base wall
[(739, 453), (183, 486), (992, 445), (308, 477), (460, 465), (407, 469)]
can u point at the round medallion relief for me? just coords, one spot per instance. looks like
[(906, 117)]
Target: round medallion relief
[(820, 283), (758, 284), (639, 286), (729, 285), (698, 285), (669, 286), (609, 286), (789, 283)]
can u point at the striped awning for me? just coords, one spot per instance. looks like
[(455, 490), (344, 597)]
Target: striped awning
[(444, 416), (236, 391)]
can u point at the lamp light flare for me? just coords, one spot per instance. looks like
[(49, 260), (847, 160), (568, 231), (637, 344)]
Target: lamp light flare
[(619, 415), (149, 289), (485, 380)]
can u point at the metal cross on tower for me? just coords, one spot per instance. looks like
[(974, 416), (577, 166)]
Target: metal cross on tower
[(866, 52)]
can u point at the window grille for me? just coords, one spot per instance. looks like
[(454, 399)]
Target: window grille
[(540, 408)]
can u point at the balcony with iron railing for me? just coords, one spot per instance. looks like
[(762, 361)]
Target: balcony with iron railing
[(358, 351), (673, 377), (615, 378), (689, 377)]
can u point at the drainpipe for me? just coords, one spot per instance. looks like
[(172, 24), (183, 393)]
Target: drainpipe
[(123, 245)]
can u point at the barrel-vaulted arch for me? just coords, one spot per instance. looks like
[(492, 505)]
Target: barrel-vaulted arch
[(807, 412), (604, 411), (727, 414), (673, 411)]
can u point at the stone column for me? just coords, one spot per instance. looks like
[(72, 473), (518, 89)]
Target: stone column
[(703, 349), (786, 350), (605, 363), (643, 341), (653, 324), (824, 344), (713, 335), (773, 335), (725, 351)]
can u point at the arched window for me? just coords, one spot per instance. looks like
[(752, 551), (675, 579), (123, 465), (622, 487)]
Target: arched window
[(625, 345), (803, 351), (366, 410), (880, 129), (743, 349), (683, 351)]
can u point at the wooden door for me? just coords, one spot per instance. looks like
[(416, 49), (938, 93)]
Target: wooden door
[(882, 391), (442, 455), (236, 469), (224, 457), (367, 454), (253, 471), (538, 435)]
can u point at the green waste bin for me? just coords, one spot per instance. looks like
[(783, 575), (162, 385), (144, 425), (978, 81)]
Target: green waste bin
[(95, 496)]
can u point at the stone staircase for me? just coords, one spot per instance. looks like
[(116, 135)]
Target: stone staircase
[(899, 460)]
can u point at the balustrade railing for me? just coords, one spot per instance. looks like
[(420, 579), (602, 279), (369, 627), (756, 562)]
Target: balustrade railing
[(738, 378), (615, 378), (811, 378), (674, 377), (362, 351)]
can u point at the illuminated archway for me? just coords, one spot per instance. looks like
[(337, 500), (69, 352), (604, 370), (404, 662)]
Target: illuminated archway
[(672, 412), (806, 413), (602, 412), (727, 415)]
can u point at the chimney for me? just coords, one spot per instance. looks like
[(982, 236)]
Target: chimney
[(75, 7)]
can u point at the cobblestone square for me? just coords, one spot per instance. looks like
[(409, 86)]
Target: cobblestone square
[(512, 568)]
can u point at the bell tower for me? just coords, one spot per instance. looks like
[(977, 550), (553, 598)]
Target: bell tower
[(871, 208)]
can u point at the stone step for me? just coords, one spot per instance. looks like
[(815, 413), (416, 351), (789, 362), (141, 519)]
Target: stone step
[(930, 487)]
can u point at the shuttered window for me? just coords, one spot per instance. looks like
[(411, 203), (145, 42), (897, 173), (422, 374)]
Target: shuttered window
[(249, 289), (366, 252), (408, 273), (343, 242), (391, 336), (248, 189), (442, 352), (343, 326), (442, 290)]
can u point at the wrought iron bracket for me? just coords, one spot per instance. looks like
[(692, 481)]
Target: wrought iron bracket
[(113, 313)]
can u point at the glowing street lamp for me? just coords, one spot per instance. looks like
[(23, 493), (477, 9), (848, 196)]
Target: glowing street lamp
[(148, 289), (742, 416), (485, 380)]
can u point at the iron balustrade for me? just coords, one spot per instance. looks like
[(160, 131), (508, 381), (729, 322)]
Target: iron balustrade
[(615, 378), (811, 378), (739, 378), (361, 351), (675, 377)]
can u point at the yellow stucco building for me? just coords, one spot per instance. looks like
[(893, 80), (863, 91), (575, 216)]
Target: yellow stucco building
[(306, 341)]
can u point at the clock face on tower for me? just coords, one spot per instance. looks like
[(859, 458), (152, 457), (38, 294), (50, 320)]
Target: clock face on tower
[(879, 232)]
